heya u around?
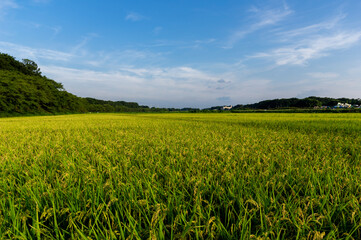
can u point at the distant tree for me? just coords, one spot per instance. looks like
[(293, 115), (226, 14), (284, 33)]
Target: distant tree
[(308, 102), (330, 102), (24, 90), (31, 66)]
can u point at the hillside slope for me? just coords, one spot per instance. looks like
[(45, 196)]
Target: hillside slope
[(23, 90)]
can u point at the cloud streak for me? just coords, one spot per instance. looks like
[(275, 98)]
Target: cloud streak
[(265, 18), (134, 17), (41, 1), (314, 28), (324, 75), (32, 53), (311, 48), (300, 45), (79, 55), (7, 4)]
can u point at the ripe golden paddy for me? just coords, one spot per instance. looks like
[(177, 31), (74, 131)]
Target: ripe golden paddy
[(181, 176)]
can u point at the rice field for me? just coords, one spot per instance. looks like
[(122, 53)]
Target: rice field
[(181, 176)]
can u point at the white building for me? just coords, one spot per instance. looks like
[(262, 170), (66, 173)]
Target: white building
[(227, 107), (343, 105)]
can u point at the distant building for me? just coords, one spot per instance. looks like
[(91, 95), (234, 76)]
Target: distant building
[(343, 105), (227, 107)]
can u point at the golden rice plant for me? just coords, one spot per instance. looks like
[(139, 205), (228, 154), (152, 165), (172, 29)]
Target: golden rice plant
[(181, 176)]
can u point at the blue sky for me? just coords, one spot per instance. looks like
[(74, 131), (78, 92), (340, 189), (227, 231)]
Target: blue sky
[(187, 53)]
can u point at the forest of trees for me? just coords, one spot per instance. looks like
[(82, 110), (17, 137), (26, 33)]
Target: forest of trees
[(24, 90)]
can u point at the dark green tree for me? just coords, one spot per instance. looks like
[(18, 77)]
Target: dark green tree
[(31, 66)]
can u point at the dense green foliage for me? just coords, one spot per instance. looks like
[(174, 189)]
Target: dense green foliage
[(308, 102), (26, 67), (96, 105), (24, 90), (181, 176), (20, 93)]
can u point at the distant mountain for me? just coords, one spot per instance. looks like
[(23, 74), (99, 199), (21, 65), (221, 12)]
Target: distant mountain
[(23, 90)]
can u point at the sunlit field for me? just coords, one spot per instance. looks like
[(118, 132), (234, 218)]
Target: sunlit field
[(181, 176)]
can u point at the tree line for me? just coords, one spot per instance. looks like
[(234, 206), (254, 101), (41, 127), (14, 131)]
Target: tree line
[(308, 102), (24, 90)]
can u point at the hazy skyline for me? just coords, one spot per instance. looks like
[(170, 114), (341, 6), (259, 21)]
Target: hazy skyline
[(190, 53)]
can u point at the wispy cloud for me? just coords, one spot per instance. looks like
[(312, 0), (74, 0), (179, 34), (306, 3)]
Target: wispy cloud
[(322, 84), (323, 75), (178, 86), (157, 30), (300, 45), (111, 76), (7, 4), (80, 55), (201, 43), (313, 47), (34, 53), (313, 29), (85, 40), (54, 29), (135, 17), (180, 44), (41, 1), (270, 16), (264, 18)]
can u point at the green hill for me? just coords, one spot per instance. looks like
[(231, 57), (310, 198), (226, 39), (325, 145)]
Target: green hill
[(24, 90), (295, 103)]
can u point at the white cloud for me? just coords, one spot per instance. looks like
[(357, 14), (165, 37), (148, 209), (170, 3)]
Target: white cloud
[(201, 43), (323, 75), (314, 28), (179, 44), (265, 17), (21, 51), (181, 86), (270, 16), (313, 47), (135, 17), (85, 40), (317, 40), (177, 86), (157, 30), (41, 1), (80, 56), (7, 4), (349, 86), (54, 29)]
